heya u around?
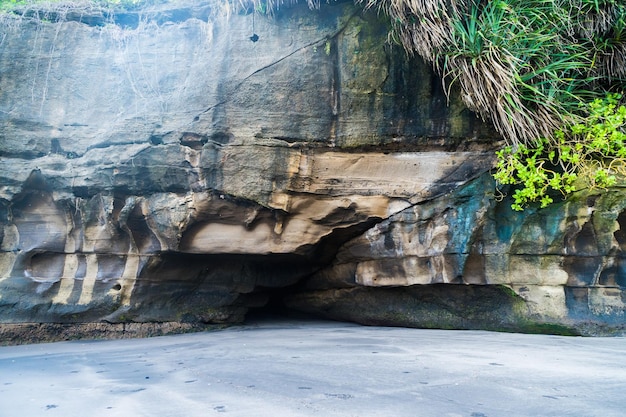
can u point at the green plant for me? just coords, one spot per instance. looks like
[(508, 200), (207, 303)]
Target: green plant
[(524, 65), (591, 153), (528, 66)]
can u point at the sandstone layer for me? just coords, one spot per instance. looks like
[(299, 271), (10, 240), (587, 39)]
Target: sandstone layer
[(163, 166)]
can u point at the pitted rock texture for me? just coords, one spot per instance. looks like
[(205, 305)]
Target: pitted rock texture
[(159, 166)]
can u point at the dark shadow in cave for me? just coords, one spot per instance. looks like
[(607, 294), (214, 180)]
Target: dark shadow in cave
[(275, 309), (319, 256)]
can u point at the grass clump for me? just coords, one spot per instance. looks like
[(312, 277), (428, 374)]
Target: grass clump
[(524, 65)]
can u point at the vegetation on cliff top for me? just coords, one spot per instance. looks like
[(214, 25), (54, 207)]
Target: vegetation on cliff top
[(547, 73)]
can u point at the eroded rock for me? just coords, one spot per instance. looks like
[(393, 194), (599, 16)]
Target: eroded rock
[(558, 266), (170, 169), (163, 167)]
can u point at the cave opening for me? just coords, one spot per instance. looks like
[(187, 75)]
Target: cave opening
[(276, 308), (313, 260)]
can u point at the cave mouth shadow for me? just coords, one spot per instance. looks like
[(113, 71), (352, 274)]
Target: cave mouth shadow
[(276, 310)]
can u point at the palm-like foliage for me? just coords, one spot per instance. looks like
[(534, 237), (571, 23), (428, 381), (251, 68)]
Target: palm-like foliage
[(526, 65)]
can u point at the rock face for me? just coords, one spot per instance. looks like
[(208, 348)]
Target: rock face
[(558, 269), (161, 166)]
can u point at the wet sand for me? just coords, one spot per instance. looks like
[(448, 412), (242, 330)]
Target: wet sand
[(316, 368)]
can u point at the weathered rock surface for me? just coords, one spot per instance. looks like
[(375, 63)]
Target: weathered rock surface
[(558, 269), (162, 167)]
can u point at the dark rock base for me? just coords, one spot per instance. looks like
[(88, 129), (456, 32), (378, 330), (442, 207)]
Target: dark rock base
[(25, 333), (444, 306)]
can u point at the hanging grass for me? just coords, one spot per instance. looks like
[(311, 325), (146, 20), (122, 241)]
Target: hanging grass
[(542, 71), (524, 65)]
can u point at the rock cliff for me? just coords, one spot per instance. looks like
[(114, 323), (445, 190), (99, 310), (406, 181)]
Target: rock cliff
[(166, 166)]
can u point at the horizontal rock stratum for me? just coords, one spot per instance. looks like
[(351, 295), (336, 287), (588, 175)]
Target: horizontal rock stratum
[(160, 166)]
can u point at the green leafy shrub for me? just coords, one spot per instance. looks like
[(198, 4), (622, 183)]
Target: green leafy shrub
[(591, 153)]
